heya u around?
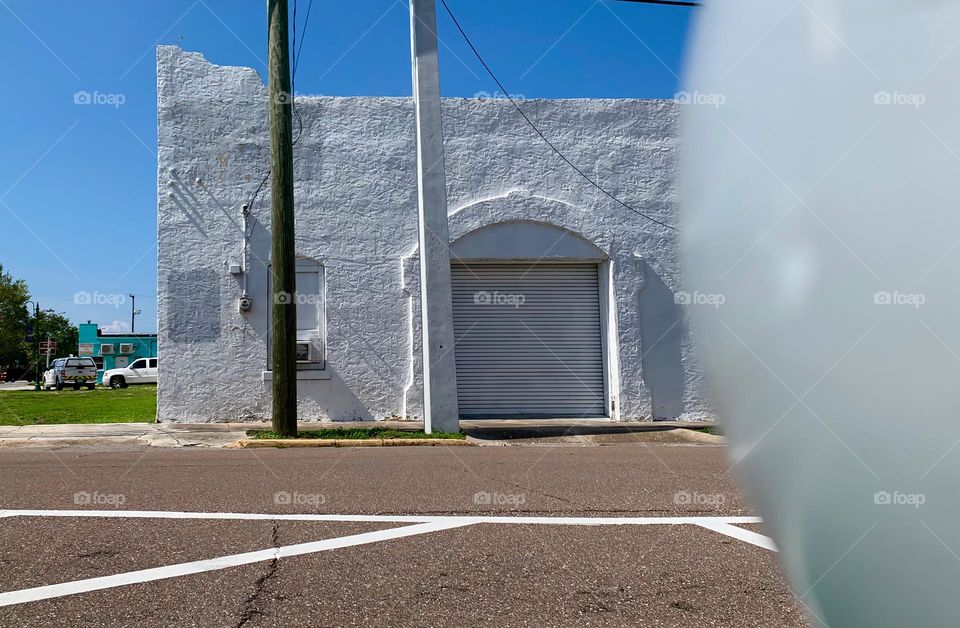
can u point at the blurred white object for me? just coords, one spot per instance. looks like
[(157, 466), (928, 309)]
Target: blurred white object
[(820, 184)]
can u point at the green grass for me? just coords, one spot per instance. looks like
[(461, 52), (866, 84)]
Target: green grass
[(136, 404), (710, 429), (357, 433)]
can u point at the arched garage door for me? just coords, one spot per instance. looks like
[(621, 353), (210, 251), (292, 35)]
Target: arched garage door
[(528, 340)]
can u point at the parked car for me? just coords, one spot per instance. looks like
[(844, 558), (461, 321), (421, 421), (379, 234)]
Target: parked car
[(142, 371), (71, 371)]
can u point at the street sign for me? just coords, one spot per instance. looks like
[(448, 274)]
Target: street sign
[(48, 346)]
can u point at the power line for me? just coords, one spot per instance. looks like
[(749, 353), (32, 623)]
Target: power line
[(254, 207), (534, 126), (293, 76), (295, 51), (306, 21), (672, 3)]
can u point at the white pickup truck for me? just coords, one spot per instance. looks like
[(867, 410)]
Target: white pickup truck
[(142, 371), (72, 371)]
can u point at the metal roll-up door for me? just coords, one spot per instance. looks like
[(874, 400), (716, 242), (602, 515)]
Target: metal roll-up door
[(528, 340)]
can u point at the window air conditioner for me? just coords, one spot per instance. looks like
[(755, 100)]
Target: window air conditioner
[(305, 353)]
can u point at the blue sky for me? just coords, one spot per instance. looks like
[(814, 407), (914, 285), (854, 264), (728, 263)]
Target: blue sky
[(78, 182)]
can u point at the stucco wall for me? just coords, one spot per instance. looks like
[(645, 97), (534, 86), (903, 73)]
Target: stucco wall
[(356, 204)]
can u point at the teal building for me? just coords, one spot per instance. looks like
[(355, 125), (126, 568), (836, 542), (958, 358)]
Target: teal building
[(113, 350)]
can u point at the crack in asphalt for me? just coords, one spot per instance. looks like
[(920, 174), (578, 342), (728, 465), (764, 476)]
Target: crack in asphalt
[(249, 609)]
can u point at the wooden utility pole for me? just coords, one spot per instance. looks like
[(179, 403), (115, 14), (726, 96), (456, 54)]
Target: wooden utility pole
[(283, 259)]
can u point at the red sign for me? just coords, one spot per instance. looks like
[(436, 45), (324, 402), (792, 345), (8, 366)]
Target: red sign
[(48, 346)]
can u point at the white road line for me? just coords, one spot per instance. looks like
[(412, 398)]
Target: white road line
[(464, 519), (223, 562), (748, 536), (420, 525)]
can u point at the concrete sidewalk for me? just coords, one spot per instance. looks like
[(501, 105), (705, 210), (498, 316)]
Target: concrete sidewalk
[(149, 434), (17, 385), (489, 433)]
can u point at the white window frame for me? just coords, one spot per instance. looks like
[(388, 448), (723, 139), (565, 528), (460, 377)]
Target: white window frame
[(131, 348), (107, 344), (316, 369)]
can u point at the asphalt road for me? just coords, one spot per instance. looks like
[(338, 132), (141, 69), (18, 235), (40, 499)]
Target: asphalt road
[(501, 573)]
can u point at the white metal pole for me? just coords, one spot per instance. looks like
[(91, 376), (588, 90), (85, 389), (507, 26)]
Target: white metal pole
[(440, 408)]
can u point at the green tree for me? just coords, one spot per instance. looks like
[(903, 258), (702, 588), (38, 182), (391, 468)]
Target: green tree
[(58, 328), (13, 320)]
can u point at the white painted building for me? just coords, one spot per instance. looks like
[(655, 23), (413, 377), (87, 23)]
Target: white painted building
[(565, 303)]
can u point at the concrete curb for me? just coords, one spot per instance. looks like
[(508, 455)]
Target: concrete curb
[(256, 443), (702, 437), (673, 437)]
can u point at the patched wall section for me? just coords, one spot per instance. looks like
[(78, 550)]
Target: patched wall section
[(356, 213)]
